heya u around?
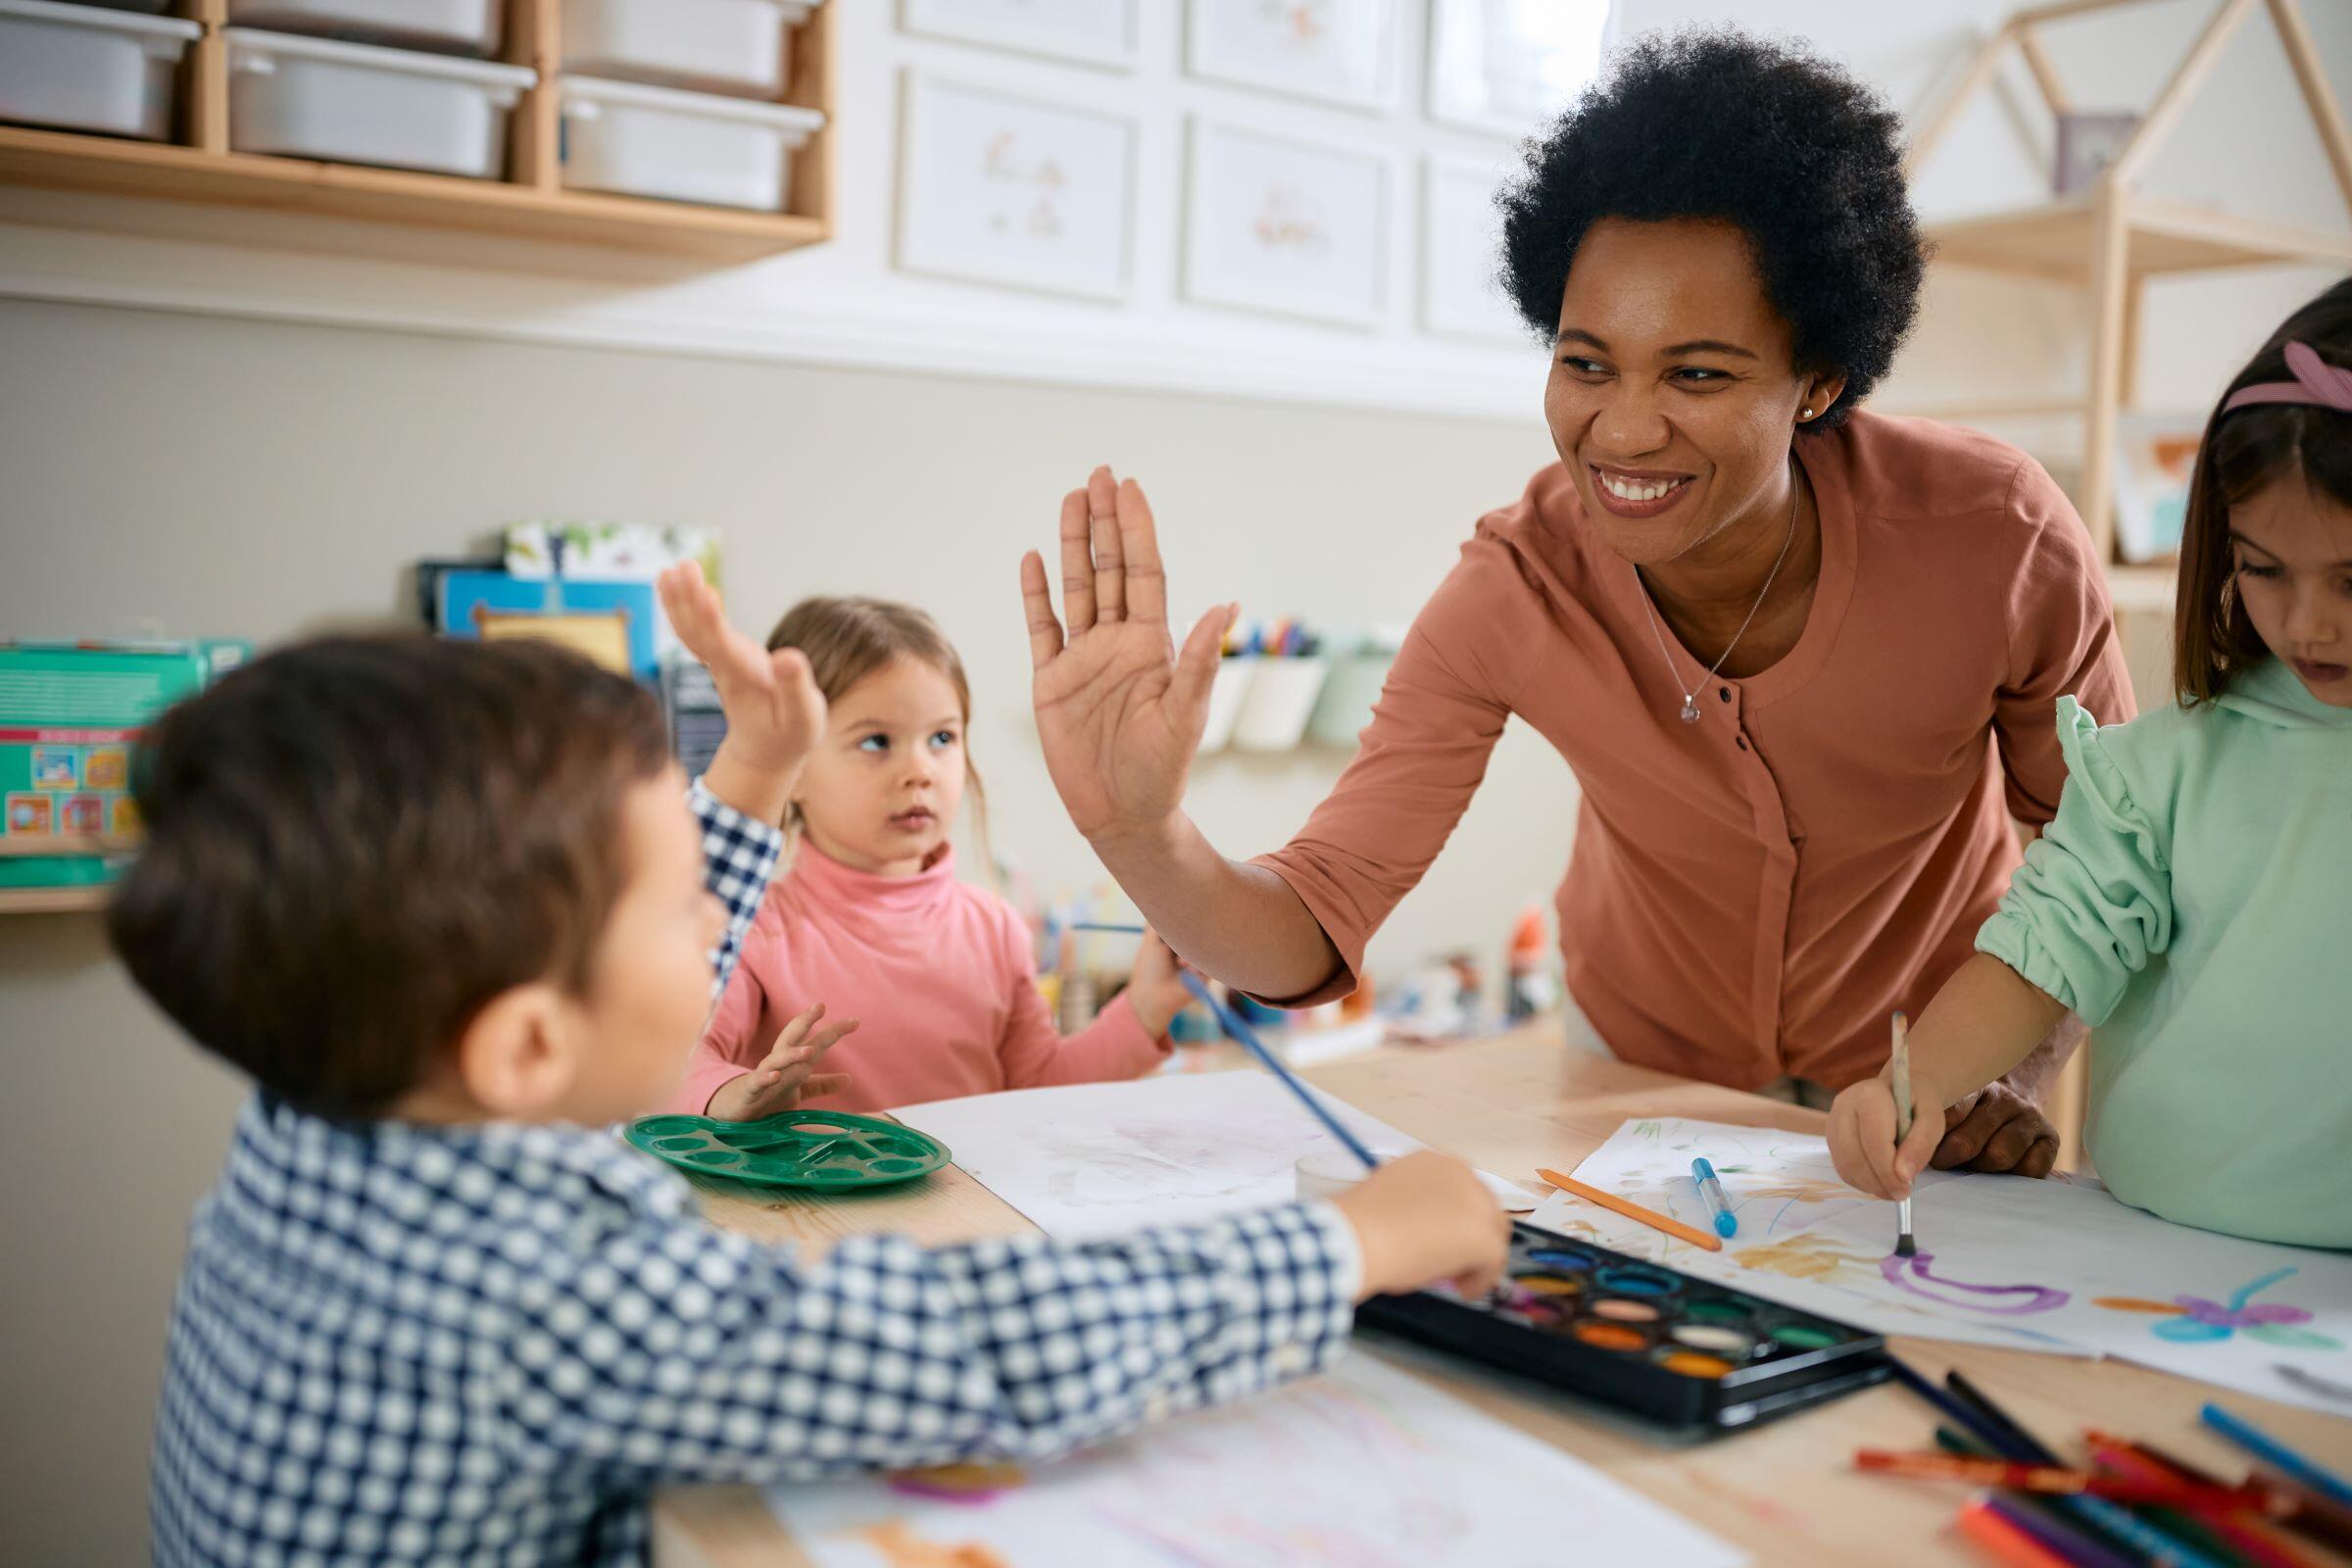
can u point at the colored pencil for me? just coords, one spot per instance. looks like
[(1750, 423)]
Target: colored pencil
[(2111, 1522), (1968, 1420), (2306, 1473), (1248, 1041), (1904, 1244), (2314, 1516), (2043, 1520), (1998, 1535), (1107, 925), (2055, 1479), (2230, 1526), (1634, 1211), (2036, 1450)]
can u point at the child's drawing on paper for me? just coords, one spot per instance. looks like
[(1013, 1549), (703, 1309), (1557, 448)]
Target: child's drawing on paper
[(2192, 1319), (1819, 1259), (1917, 1275)]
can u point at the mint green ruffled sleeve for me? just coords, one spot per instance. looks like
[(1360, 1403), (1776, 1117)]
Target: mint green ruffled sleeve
[(2093, 900)]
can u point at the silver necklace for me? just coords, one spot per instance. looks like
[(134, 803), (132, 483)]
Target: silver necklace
[(1690, 697)]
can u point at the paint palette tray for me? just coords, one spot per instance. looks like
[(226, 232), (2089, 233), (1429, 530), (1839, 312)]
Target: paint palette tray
[(829, 1150), (1671, 1348)]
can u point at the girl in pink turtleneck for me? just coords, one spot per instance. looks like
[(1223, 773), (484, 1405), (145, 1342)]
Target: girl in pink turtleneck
[(870, 921)]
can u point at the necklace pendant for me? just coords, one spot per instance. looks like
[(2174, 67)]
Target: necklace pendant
[(1689, 709)]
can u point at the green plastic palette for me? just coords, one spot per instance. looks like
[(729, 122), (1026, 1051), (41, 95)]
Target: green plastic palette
[(832, 1151)]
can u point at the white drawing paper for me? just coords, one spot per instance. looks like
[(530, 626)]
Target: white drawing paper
[(2054, 1265), (1099, 1160), (1366, 1467)]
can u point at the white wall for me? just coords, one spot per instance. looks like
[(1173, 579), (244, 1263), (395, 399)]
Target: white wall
[(247, 459)]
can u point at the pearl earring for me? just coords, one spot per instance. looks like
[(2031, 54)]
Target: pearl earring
[(1805, 413)]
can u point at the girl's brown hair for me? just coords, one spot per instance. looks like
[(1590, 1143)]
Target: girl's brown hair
[(2245, 451), (848, 639)]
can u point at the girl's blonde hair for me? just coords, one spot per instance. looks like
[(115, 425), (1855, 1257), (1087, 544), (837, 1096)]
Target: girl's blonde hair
[(847, 639)]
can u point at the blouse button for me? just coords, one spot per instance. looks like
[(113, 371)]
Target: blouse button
[(1743, 743), (1725, 694)]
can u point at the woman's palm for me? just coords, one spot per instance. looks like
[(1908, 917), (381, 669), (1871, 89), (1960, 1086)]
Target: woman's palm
[(1118, 712)]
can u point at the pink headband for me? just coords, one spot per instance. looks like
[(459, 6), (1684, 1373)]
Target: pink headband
[(2316, 382)]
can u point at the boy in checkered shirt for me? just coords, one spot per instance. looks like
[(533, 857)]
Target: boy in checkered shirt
[(441, 902)]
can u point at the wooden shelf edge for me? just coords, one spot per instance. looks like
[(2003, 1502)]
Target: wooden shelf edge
[(1984, 241), (52, 900), (71, 161), (17, 846)]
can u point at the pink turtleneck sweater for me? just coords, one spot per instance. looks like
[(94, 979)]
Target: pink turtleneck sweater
[(940, 975)]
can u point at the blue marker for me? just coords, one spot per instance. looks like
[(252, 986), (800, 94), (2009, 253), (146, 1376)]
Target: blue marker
[(2304, 1472), (1727, 1223)]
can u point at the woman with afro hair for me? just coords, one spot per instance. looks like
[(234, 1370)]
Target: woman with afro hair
[(1802, 658)]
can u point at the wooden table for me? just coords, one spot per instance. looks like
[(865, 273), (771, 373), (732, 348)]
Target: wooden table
[(1785, 1492)]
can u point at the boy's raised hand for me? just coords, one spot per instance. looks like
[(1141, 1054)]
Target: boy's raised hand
[(774, 712), (787, 1075), (1862, 1143)]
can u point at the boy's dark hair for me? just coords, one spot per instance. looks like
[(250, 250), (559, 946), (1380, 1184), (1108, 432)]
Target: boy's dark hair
[(2244, 450), (355, 843), (1717, 124)]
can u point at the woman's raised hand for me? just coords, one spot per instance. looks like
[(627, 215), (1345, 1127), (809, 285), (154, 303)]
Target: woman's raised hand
[(1119, 712)]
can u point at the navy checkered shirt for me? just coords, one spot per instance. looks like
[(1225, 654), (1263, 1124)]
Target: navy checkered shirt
[(489, 1344)]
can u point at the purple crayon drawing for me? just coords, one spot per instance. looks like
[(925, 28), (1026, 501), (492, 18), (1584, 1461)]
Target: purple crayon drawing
[(1912, 1274)]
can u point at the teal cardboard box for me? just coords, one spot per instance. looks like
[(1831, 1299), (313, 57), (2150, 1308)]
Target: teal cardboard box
[(70, 714)]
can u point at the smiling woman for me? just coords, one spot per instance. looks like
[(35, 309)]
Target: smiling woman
[(1802, 660)]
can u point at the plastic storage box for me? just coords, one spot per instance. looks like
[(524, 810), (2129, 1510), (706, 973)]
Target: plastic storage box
[(637, 140), (358, 103), (468, 27), (87, 67), (735, 46)]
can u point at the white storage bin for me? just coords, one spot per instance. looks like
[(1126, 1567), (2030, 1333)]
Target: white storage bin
[(736, 46), (1226, 693), (472, 27), (680, 146), (357, 104), (85, 68), (1273, 717)]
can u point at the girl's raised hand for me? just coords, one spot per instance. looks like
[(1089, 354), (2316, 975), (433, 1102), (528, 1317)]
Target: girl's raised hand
[(1155, 985), (1119, 712)]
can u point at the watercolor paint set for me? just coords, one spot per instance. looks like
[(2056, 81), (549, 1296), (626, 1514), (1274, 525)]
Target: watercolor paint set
[(1680, 1351)]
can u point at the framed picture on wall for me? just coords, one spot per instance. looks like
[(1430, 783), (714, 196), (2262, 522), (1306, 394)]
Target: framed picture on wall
[(1099, 32), (1002, 188), (1338, 51), (1461, 235), (1276, 223), (1506, 67)]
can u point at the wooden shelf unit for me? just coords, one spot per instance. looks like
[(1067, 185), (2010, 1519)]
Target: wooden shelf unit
[(531, 202), (2111, 240), (57, 900)]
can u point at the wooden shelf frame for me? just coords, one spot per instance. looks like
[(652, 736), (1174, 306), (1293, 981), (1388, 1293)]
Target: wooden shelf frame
[(529, 202), (2113, 238), (77, 897)]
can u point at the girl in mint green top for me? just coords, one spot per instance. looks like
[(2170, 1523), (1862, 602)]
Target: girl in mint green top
[(2193, 898)]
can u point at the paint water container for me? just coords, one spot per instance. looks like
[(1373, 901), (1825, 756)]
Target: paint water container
[(1329, 1172)]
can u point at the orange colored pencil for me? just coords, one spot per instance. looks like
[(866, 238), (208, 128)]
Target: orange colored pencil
[(1634, 1211)]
